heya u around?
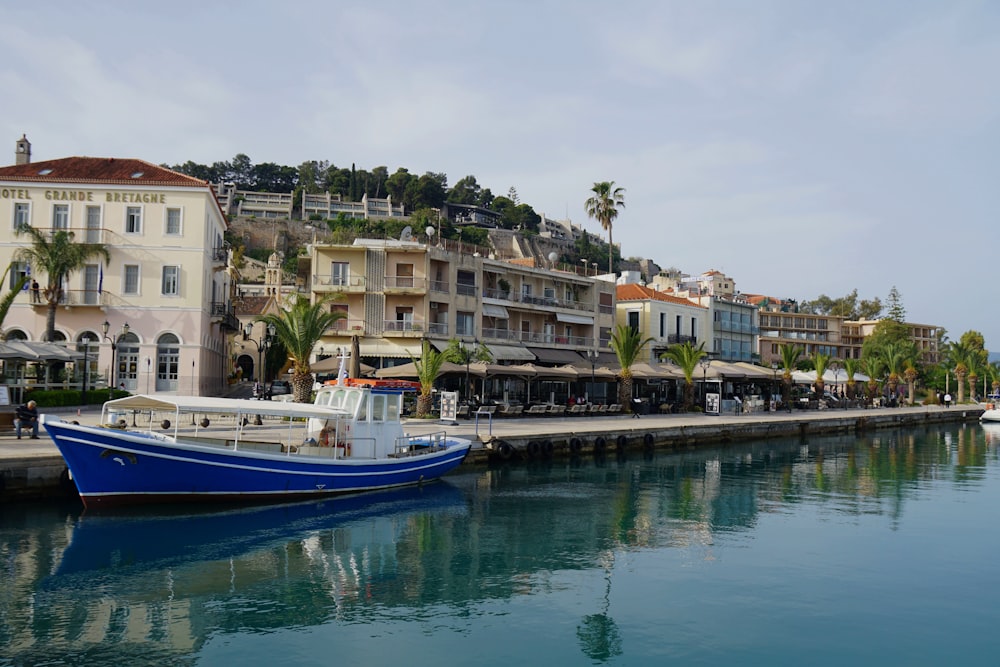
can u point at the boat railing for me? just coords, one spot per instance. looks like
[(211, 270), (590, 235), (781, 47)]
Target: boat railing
[(414, 445)]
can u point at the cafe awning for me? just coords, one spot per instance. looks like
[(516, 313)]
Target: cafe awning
[(380, 347), (574, 319), (499, 312), (510, 352), (547, 355)]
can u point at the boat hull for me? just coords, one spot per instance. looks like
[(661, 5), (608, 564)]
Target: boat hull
[(112, 468), (991, 415)]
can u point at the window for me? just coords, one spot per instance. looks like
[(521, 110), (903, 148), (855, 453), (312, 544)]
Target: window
[(18, 270), (465, 324), (60, 216), (93, 222), (170, 284), (633, 320), (663, 325), (173, 221), (131, 279), (133, 220), (340, 273), (22, 215)]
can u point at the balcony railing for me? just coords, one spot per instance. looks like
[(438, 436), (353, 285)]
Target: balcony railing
[(466, 290), (405, 283), (535, 337), (680, 339), (338, 283), (544, 301), (220, 254), (224, 312), (440, 328), (346, 327), (404, 326), (440, 286)]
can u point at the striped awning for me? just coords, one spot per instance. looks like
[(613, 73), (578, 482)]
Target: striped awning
[(499, 312)]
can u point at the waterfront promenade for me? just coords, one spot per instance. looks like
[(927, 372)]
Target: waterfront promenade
[(31, 468)]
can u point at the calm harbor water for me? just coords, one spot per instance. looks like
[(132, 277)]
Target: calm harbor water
[(880, 550)]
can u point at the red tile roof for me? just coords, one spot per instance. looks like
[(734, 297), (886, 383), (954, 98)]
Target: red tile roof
[(634, 292), (103, 170)]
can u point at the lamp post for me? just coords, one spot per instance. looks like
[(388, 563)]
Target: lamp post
[(592, 356), (705, 363), (113, 376), (774, 370), (86, 348), (262, 345), (468, 359)]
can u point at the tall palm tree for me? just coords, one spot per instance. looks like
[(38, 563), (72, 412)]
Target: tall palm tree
[(687, 356), (873, 366), (299, 327), (627, 344), (960, 357), (894, 357), (789, 359), (57, 255), (820, 363), (428, 367), (603, 206)]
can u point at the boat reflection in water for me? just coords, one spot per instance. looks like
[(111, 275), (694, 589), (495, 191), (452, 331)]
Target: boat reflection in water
[(152, 583)]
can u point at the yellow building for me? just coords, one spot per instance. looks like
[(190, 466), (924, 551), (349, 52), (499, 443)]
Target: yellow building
[(166, 278), (394, 294)]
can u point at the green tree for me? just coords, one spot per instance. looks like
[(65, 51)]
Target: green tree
[(789, 360), (894, 303), (299, 327), (458, 353), (604, 206), (428, 367), (57, 255), (627, 344), (686, 356)]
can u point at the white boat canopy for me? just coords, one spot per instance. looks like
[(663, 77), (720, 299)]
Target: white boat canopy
[(211, 405)]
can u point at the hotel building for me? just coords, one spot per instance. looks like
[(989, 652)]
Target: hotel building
[(166, 278)]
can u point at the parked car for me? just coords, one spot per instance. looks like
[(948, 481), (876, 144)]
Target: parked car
[(279, 387)]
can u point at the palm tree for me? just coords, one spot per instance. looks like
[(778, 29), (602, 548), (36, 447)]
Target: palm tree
[(686, 357), (458, 353), (820, 363), (428, 366), (873, 369), (299, 327), (894, 357), (8, 298), (627, 344), (960, 356), (851, 366), (910, 374), (55, 254), (789, 358), (603, 206)]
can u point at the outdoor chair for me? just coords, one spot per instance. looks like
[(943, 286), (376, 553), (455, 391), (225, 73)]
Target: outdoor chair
[(557, 410), (537, 410)]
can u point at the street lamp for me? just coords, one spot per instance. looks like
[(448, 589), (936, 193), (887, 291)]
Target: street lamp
[(468, 359), (262, 345), (705, 363), (592, 356), (86, 349), (114, 353), (774, 370)]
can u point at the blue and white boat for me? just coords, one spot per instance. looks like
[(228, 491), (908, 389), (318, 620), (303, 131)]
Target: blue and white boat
[(202, 449)]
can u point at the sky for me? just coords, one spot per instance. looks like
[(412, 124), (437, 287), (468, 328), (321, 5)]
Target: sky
[(800, 147)]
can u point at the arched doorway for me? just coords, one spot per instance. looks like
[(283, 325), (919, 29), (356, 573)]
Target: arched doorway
[(245, 361), (168, 356)]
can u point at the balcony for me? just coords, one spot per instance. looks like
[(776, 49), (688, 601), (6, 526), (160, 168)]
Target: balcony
[(352, 284), (346, 327), (223, 313), (414, 328), (70, 298), (405, 285), (544, 301), (440, 286), (464, 289), (680, 339), (439, 328), (220, 254)]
